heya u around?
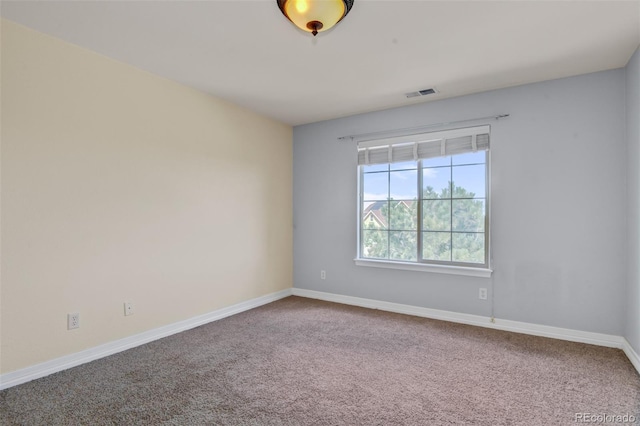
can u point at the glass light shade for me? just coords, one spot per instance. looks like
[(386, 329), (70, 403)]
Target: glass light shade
[(314, 15)]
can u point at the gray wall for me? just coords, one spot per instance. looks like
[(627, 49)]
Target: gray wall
[(632, 331), (558, 206)]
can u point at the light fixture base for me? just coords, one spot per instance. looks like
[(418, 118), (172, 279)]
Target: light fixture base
[(314, 26)]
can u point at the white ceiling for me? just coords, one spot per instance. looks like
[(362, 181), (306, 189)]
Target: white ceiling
[(248, 53)]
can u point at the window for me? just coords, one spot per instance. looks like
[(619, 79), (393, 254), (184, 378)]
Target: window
[(424, 198)]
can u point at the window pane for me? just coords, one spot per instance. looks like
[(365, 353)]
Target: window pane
[(403, 246), (469, 181), (375, 168), (468, 215), (407, 165), (436, 246), (479, 157), (375, 186), (438, 205), (375, 244), (403, 216), (468, 248), (375, 215), (404, 185), (436, 215), (436, 182), (436, 162)]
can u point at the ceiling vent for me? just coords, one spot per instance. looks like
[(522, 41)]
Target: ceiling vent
[(423, 92)]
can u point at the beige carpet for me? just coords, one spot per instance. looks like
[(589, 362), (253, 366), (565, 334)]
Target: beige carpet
[(304, 362)]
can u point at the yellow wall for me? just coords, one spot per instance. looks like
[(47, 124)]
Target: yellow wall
[(118, 185)]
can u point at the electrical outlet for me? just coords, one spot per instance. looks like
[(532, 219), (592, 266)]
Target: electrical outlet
[(73, 321), (128, 309), (323, 275), (482, 294)]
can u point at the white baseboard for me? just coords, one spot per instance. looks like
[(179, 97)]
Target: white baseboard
[(37, 371), (631, 354), (395, 307), (598, 339)]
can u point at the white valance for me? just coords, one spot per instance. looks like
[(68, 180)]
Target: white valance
[(423, 145)]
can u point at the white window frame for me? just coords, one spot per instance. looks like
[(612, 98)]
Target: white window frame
[(441, 137)]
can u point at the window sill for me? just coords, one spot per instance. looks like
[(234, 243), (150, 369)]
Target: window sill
[(439, 269)]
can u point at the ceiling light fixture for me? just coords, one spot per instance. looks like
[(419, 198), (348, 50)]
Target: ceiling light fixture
[(314, 16)]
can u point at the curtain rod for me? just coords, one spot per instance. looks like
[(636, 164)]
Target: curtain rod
[(409, 129)]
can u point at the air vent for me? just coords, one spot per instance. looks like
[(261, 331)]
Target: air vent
[(423, 92)]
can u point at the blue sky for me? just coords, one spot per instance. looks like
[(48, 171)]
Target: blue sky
[(468, 171)]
